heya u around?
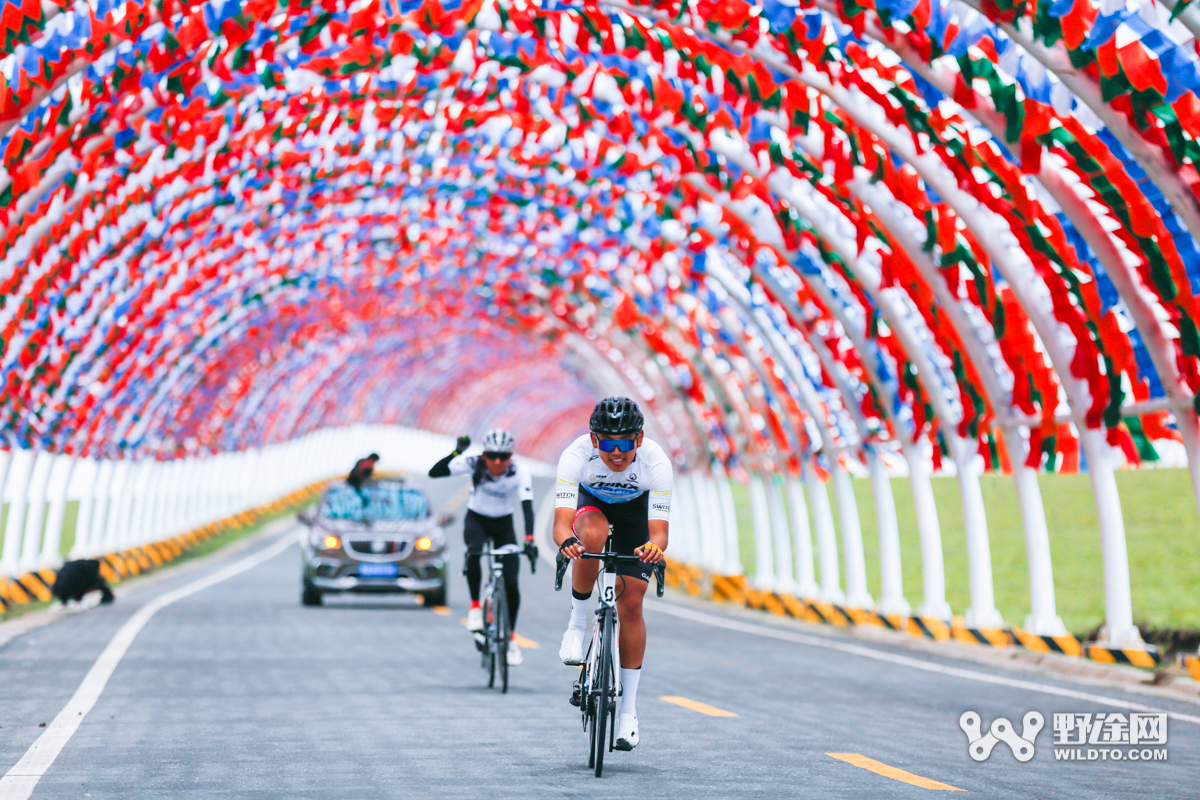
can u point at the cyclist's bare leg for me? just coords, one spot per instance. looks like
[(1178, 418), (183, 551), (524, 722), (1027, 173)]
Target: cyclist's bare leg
[(591, 528), (630, 594)]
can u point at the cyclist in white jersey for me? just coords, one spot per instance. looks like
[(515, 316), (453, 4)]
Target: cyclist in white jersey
[(613, 476), (497, 482)]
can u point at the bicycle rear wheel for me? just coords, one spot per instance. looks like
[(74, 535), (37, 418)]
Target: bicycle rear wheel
[(502, 638), (604, 685)]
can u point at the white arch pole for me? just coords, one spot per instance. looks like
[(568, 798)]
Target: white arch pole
[(764, 556), (802, 548), (119, 487), (891, 589), (36, 517), (105, 470), (827, 554), (1043, 616), (64, 466), (933, 571), (83, 515), (731, 551), (7, 457), (784, 579), (14, 530)]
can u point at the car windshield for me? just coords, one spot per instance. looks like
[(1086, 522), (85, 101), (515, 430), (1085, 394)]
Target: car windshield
[(382, 502)]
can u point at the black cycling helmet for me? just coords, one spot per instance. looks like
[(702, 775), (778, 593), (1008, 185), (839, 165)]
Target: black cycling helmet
[(616, 416)]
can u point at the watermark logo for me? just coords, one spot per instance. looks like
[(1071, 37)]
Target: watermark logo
[(1115, 736), (980, 745), (1106, 736)]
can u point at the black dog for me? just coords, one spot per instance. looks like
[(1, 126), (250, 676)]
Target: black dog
[(77, 578)]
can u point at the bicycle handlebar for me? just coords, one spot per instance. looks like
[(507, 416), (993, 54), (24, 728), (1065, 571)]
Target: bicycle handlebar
[(507, 550), (502, 550), (562, 561)]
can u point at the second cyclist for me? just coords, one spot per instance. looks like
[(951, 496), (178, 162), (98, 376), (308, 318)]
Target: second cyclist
[(497, 481)]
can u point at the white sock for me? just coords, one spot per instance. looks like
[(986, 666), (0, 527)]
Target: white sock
[(629, 684), (580, 611)]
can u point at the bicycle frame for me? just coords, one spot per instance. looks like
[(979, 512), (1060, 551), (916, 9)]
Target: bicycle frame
[(607, 581)]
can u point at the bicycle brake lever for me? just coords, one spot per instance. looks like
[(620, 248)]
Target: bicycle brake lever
[(660, 572), (560, 570)]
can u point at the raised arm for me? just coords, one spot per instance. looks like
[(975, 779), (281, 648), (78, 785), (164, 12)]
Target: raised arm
[(442, 468)]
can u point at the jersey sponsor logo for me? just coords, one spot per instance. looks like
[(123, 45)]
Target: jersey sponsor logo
[(566, 482), (614, 492), (599, 480)]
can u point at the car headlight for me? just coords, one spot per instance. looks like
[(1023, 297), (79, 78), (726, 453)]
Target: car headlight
[(329, 542), (424, 543)]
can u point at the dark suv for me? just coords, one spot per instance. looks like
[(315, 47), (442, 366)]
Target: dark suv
[(380, 537)]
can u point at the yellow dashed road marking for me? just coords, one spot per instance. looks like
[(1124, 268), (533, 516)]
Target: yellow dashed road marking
[(703, 708), (443, 611), (896, 774)]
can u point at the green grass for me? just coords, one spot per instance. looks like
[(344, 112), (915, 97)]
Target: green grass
[(1161, 525)]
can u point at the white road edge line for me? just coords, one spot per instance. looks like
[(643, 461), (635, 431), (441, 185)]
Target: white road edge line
[(19, 782), (892, 658)]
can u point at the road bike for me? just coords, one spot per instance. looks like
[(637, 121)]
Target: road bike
[(493, 640), (599, 683)]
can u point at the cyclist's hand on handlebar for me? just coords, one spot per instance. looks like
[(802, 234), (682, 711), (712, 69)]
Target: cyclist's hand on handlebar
[(571, 548), (649, 553), (463, 443), (531, 550)]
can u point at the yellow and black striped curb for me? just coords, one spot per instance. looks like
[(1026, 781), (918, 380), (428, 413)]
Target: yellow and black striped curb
[(1068, 645), (735, 589), (117, 566), (1191, 664), (1116, 655)]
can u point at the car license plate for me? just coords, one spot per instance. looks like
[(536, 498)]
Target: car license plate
[(378, 570)]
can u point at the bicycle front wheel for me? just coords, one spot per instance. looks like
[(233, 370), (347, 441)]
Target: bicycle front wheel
[(489, 649), (502, 638), (604, 687)]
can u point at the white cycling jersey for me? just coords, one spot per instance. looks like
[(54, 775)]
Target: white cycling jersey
[(495, 497), (650, 471)]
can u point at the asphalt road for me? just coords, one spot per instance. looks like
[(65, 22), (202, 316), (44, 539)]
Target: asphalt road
[(237, 691)]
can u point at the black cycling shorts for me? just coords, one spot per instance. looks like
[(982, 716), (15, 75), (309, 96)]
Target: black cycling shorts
[(477, 528), (631, 528)]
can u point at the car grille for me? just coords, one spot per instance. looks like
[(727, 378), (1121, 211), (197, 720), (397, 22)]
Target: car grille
[(378, 547)]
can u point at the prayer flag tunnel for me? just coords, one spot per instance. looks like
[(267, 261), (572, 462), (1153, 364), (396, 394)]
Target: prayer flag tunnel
[(814, 241)]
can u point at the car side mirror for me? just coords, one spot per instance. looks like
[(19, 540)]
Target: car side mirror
[(445, 520), (305, 516)]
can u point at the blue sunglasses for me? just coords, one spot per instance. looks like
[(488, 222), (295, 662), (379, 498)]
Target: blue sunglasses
[(619, 445)]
